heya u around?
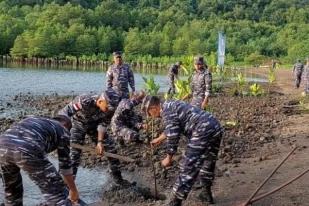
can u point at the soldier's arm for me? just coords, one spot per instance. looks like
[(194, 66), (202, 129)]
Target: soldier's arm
[(109, 78), (64, 155), (65, 166), (79, 103), (172, 132), (71, 108), (208, 83), (131, 80)]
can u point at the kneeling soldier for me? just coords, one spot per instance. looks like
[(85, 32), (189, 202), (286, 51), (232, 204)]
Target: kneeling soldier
[(91, 113), (204, 135), (126, 122), (25, 146)]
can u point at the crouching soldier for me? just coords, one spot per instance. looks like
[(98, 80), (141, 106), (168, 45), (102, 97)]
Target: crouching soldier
[(125, 122), (204, 135), (91, 114), (25, 146)]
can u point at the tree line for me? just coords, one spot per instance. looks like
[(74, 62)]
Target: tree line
[(156, 28)]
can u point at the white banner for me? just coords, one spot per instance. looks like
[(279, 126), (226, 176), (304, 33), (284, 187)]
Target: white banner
[(221, 49)]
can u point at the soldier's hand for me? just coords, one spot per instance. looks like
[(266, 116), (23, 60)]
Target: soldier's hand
[(74, 196), (205, 104), (145, 126), (167, 161), (100, 148), (155, 142)]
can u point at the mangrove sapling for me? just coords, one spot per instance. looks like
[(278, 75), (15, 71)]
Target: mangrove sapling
[(271, 80), (256, 90), (241, 82), (182, 89), (150, 86)]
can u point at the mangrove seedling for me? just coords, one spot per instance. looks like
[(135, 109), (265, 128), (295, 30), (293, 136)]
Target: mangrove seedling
[(150, 86), (182, 89), (256, 90)]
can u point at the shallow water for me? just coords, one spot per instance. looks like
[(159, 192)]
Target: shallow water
[(64, 82), (89, 182)]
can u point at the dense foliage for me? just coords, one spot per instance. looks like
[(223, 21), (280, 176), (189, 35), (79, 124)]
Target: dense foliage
[(57, 28)]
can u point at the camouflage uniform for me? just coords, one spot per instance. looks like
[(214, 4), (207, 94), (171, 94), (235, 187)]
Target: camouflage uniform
[(118, 78), (204, 135), (125, 119), (298, 70), (25, 146), (87, 118), (172, 74), (200, 86), (306, 78)]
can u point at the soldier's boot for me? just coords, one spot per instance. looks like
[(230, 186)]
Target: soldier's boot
[(198, 185), (206, 195), (118, 179), (175, 202)]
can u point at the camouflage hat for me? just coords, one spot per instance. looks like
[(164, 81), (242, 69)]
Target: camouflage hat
[(117, 54), (199, 60), (111, 96), (147, 101)]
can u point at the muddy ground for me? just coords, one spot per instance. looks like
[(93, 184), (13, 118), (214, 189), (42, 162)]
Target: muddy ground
[(265, 131)]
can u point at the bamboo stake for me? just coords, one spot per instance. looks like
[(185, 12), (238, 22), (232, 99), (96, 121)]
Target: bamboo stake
[(271, 174), (152, 162), (106, 154), (279, 187)]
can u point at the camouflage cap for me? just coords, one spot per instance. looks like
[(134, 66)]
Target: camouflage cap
[(111, 97), (148, 101), (199, 60), (117, 53)]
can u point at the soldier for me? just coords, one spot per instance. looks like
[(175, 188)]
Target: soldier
[(125, 122), (306, 77), (204, 135), (172, 74), (119, 75), (25, 146), (298, 71), (91, 114), (200, 84)]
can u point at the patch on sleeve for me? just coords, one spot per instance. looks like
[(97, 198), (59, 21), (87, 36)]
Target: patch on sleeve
[(77, 106)]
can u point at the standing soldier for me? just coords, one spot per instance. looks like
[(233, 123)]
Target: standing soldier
[(119, 75), (91, 114), (298, 71), (172, 74), (306, 77), (201, 83), (25, 146), (125, 122), (204, 135)]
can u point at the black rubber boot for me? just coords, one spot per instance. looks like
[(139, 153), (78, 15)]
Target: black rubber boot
[(117, 177), (175, 202), (206, 195)]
